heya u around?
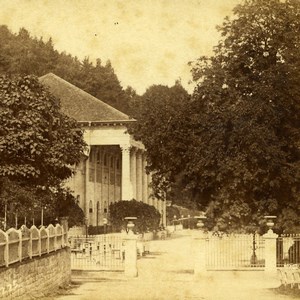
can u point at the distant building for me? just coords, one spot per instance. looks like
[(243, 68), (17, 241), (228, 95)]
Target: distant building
[(114, 167)]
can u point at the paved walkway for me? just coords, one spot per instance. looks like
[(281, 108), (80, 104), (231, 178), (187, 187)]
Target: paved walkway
[(167, 274)]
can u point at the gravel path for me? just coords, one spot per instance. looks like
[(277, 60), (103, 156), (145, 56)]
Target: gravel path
[(167, 274)]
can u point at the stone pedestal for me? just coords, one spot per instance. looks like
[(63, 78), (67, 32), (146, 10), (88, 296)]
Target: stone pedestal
[(130, 240), (270, 252)]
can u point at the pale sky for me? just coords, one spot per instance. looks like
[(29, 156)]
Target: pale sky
[(148, 42)]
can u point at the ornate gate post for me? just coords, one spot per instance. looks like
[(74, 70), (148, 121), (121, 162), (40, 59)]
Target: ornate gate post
[(270, 247), (130, 240), (200, 249)]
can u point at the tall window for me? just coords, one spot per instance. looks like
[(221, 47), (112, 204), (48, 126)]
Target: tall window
[(98, 168), (112, 162), (118, 176), (105, 169), (91, 207), (91, 166), (112, 171), (98, 211)]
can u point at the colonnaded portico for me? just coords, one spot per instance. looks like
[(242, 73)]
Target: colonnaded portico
[(114, 165)]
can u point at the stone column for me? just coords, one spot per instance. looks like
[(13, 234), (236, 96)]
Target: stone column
[(130, 263), (270, 252), (139, 174), (85, 186), (133, 172), (144, 179), (126, 187), (149, 189), (108, 181)]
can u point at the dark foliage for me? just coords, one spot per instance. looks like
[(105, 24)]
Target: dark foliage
[(38, 146), (161, 115), (148, 218), (244, 155), (22, 54)]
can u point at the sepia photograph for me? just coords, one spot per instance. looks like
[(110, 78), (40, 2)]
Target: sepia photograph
[(150, 149)]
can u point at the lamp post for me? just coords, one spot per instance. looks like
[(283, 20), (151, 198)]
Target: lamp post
[(104, 223), (42, 216), (253, 259), (86, 222), (174, 222), (189, 221), (16, 220)]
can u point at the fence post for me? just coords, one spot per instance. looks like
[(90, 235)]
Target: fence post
[(4, 240), (130, 263), (270, 248), (55, 238), (65, 225), (30, 244), (20, 245), (200, 240), (40, 243), (58, 236)]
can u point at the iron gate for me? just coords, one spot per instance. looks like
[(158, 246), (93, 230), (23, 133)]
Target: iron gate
[(100, 252), (235, 252), (288, 250)]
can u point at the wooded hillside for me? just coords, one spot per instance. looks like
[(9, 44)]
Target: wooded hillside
[(23, 54)]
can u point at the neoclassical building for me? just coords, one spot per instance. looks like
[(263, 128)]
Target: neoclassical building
[(114, 166)]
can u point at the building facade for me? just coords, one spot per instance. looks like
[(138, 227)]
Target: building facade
[(113, 168)]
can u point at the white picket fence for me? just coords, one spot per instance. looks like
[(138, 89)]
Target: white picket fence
[(17, 245)]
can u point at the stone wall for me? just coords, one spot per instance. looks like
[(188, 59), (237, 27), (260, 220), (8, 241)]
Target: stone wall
[(36, 277)]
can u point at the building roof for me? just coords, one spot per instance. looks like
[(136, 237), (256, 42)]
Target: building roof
[(79, 104)]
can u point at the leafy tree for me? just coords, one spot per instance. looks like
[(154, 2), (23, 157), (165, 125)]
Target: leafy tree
[(244, 159), (38, 144), (24, 204), (102, 82), (161, 113), (65, 205), (148, 218), (171, 212)]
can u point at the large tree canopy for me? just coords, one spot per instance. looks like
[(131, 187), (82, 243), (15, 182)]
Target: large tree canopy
[(161, 112), (244, 157), (38, 144)]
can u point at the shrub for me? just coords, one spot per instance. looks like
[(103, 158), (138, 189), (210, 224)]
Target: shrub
[(148, 218)]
